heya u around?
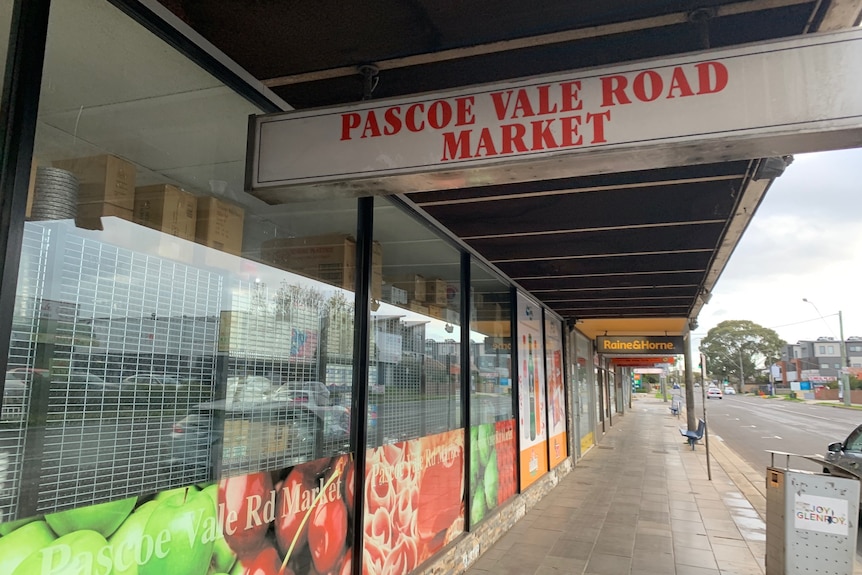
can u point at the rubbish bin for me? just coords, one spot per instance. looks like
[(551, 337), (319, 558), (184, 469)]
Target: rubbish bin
[(792, 395)]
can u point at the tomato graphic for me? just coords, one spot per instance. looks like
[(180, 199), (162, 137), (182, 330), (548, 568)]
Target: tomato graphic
[(327, 533), (266, 562), (287, 522), (237, 494)]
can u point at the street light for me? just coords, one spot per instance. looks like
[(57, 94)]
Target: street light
[(844, 385)]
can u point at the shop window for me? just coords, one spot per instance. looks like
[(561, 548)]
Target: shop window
[(5, 21), (169, 329), (493, 444), (585, 386), (555, 392), (415, 429)]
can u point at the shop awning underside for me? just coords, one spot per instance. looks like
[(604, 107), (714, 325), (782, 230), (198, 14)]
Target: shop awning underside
[(632, 251)]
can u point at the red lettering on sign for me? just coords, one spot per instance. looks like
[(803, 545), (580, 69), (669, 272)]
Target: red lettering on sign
[(410, 118), (571, 125), (598, 122), (371, 125), (543, 138), (706, 72), (500, 106), (464, 111), (439, 114), (571, 97), (545, 101), (522, 105), (513, 138), (641, 91), (349, 122), (614, 91), (393, 120), (679, 82), (486, 143), (456, 146)]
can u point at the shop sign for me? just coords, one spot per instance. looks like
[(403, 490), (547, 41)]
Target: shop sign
[(611, 345), (667, 108), (495, 345), (644, 361)]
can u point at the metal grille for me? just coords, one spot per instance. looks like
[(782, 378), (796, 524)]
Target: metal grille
[(414, 382), (132, 341), (279, 410), (20, 378)]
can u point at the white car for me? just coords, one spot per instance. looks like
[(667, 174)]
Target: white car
[(729, 390), (714, 392)]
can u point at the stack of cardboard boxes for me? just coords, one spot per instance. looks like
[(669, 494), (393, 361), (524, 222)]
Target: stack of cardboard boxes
[(330, 258), (107, 188)]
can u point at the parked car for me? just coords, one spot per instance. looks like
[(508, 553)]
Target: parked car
[(714, 392), (151, 379), (299, 411), (728, 390), (845, 457)]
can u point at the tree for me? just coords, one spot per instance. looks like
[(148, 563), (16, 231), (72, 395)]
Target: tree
[(735, 342)]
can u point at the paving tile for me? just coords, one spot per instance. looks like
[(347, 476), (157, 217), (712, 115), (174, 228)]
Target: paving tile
[(694, 557), (601, 564), (690, 570), (571, 549), (557, 566), (652, 561), (657, 543), (691, 541)]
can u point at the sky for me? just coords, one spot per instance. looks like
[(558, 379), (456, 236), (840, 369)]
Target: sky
[(805, 241)]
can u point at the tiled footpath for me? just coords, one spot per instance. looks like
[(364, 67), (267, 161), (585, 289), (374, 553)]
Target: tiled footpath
[(641, 502)]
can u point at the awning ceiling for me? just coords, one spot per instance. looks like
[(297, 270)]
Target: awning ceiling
[(629, 252)]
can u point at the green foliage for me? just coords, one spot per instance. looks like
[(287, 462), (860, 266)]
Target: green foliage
[(735, 342)]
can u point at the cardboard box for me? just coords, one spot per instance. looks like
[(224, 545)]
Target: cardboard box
[(219, 225), (436, 311), (103, 179), (90, 215), (418, 307), (168, 209), (435, 291), (331, 258), (394, 295), (414, 285)]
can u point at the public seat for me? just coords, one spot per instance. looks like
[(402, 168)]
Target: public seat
[(694, 436), (675, 406)]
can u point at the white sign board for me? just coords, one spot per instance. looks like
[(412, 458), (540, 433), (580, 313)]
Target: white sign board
[(823, 514), (749, 96)]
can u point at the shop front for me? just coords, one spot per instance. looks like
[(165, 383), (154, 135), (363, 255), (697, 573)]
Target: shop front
[(199, 382)]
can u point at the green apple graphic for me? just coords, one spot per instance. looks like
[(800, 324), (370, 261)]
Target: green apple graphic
[(184, 529), (486, 440), (127, 544), (491, 481), (21, 543), (102, 517), (7, 528), (162, 495), (223, 556), (84, 551)]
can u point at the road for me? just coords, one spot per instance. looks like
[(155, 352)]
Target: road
[(752, 425)]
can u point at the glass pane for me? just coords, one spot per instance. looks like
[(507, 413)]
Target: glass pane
[(5, 23), (558, 443), (493, 472), (170, 330), (584, 385), (532, 405), (415, 434)]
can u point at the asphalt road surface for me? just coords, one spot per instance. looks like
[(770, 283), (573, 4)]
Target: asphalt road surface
[(751, 426)]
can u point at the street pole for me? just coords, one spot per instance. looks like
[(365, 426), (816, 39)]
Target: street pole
[(705, 426), (741, 372), (845, 376)]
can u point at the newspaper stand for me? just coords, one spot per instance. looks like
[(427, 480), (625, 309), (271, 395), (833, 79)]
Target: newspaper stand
[(811, 521)]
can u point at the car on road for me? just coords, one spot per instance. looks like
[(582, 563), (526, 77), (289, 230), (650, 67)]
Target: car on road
[(714, 392), (729, 390), (150, 379), (845, 457), (253, 410)]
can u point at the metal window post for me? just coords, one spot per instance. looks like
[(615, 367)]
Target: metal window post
[(845, 363)]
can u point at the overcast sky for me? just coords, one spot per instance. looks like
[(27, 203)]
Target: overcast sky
[(805, 241)]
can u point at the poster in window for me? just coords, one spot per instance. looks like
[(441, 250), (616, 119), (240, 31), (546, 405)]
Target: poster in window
[(532, 410)]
